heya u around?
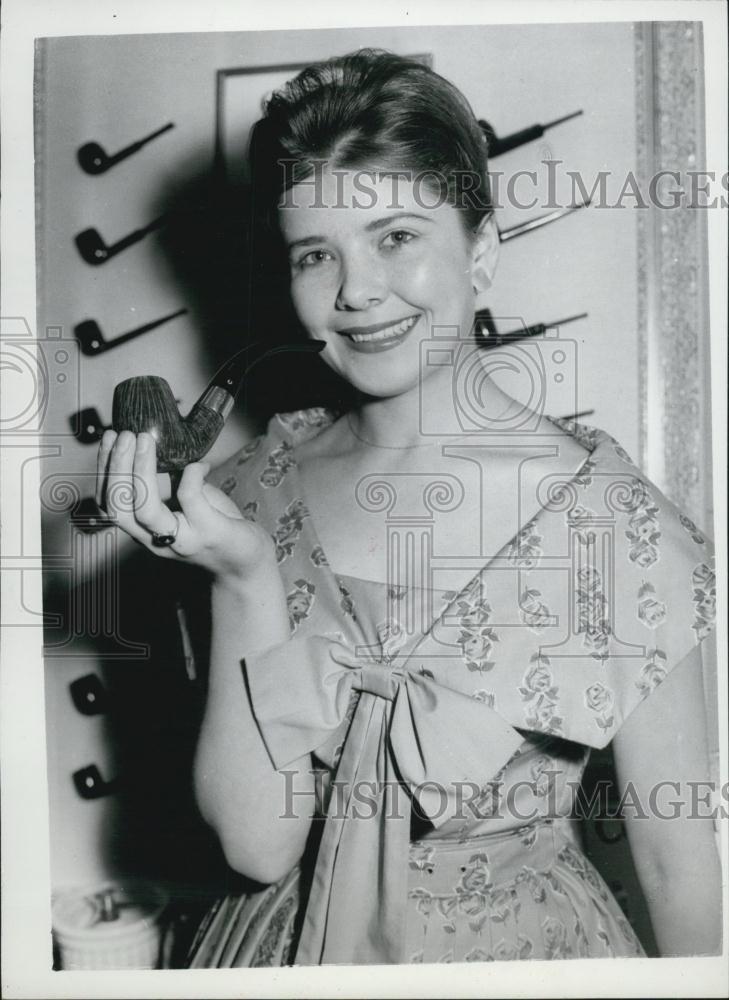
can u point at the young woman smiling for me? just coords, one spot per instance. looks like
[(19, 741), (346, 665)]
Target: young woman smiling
[(398, 716)]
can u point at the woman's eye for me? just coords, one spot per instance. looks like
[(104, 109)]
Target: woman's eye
[(397, 238), (313, 258)]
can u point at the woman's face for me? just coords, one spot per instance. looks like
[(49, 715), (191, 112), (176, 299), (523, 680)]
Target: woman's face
[(375, 271)]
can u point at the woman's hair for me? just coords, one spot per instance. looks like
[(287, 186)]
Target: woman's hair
[(372, 110)]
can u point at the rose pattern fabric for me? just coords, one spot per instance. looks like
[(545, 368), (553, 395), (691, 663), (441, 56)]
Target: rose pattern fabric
[(554, 935), (593, 612), (487, 697), (397, 593), (256, 931), (489, 799), (643, 532), (280, 461), (534, 612), (704, 597), (346, 603), (538, 689), (651, 611), (476, 638), (622, 453), (300, 601), (586, 435), (584, 476), (422, 857), (488, 885), (518, 951), (391, 638), (302, 420), (689, 526), (476, 645), (318, 557), (652, 673), (525, 914), (544, 772), (599, 699), (525, 549), (248, 450), (476, 877), (288, 529), (581, 520), (249, 510)]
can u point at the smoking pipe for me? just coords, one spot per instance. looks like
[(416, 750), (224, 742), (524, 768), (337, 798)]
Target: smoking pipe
[(497, 146), (495, 339), (95, 250), (87, 425), (94, 159), (146, 403), (541, 220), (92, 341)]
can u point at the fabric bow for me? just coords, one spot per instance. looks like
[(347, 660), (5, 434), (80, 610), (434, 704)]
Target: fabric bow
[(408, 730)]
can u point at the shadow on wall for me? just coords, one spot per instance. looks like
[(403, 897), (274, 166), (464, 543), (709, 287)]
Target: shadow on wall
[(234, 275), (236, 290)]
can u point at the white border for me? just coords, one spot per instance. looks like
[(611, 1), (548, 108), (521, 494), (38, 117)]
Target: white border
[(26, 914)]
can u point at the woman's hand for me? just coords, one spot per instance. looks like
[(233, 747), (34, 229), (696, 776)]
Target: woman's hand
[(210, 530)]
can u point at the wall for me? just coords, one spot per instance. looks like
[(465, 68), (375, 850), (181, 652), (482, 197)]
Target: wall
[(116, 89)]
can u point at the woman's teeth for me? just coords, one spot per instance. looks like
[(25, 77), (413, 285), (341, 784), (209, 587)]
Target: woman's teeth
[(389, 331)]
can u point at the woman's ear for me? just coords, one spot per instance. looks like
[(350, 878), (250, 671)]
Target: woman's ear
[(485, 254)]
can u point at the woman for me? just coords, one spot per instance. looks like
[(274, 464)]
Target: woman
[(419, 630)]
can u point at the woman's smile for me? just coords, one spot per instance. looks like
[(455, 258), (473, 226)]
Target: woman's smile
[(379, 337)]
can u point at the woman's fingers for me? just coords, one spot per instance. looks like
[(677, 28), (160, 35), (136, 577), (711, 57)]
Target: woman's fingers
[(119, 482), (151, 514), (102, 464), (220, 501), (219, 534), (128, 482), (193, 502), (128, 490)]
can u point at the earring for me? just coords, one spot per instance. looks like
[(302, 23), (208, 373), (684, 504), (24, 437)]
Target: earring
[(480, 278)]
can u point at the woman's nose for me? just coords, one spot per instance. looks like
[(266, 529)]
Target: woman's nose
[(363, 284)]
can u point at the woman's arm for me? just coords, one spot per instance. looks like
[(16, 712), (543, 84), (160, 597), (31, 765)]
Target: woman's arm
[(238, 790), (676, 858)]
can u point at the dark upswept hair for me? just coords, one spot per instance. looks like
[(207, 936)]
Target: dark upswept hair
[(375, 110)]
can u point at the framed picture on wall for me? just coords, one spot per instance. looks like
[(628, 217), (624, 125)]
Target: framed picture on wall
[(240, 95)]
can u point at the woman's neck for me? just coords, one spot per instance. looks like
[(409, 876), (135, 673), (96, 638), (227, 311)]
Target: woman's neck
[(391, 423), (428, 414)]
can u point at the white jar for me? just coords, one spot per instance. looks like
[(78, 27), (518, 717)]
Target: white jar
[(109, 926)]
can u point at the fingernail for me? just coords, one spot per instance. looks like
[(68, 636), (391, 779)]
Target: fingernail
[(124, 440), (142, 443)]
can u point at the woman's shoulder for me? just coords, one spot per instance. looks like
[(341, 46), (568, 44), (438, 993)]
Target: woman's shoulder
[(658, 553), (627, 489), (268, 456), (639, 577), (589, 437)]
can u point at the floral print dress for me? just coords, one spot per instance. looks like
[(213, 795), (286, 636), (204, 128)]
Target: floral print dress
[(450, 759)]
